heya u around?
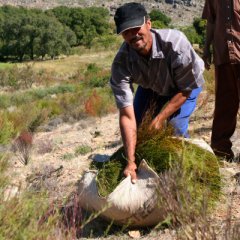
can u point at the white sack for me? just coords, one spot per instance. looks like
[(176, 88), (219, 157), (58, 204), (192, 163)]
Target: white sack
[(133, 204)]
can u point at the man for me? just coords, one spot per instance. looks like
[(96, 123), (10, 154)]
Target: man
[(223, 32), (167, 70)]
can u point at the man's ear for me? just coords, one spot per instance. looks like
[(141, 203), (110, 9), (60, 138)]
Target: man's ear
[(149, 23)]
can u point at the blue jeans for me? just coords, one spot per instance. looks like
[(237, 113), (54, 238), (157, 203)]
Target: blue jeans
[(145, 98)]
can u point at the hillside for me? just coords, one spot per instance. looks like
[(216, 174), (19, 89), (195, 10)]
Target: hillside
[(182, 12), (63, 148)]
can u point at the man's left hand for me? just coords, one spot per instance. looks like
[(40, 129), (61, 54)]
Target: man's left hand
[(156, 124)]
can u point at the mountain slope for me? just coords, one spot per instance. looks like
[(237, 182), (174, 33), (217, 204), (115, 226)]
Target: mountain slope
[(182, 12)]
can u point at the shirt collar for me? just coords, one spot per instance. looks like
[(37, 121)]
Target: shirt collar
[(156, 47)]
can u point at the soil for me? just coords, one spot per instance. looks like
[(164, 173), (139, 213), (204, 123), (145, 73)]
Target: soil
[(54, 155)]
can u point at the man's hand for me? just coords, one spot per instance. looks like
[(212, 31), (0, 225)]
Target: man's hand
[(131, 170), (207, 58), (157, 124)]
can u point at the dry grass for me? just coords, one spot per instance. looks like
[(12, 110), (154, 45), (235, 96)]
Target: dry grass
[(68, 65)]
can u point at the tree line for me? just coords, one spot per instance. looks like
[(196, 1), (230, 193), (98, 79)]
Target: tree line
[(34, 33)]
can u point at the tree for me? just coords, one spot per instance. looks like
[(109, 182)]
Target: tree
[(157, 15), (54, 38), (33, 33), (87, 23)]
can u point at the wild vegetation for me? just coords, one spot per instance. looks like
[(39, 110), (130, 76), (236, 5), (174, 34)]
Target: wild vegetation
[(162, 152), (71, 87)]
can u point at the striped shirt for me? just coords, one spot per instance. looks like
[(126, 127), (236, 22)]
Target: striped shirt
[(172, 67)]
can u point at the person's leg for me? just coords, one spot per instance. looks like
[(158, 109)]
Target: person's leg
[(147, 100), (180, 119), (226, 108)]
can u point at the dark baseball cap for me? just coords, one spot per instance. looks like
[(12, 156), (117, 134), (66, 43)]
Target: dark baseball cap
[(129, 15)]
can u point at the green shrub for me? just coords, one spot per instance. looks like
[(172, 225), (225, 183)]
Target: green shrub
[(19, 214), (192, 35), (157, 15), (6, 129), (17, 77), (67, 156), (95, 76), (199, 167), (82, 150)]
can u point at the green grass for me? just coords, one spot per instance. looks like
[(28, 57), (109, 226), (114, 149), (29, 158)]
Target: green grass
[(162, 152), (5, 65), (210, 80), (20, 214), (82, 150)]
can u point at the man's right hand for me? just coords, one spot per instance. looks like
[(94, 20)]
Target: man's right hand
[(131, 170), (207, 58)]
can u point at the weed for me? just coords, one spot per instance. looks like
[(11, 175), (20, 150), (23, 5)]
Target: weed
[(18, 77), (82, 150), (93, 104), (6, 127), (95, 76), (22, 146), (210, 80), (67, 156), (199, 166), (99, 103)]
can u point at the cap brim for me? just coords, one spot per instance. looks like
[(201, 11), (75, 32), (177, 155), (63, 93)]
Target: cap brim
[(138, 22)]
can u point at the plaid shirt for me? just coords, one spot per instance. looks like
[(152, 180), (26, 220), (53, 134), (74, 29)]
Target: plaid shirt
[(173, 67), (225, 14)]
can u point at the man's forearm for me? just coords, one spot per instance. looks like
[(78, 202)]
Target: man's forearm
[(128, 131), (172, 106)]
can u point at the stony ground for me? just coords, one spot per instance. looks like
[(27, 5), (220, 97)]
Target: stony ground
[(182, 12), (54, 156)]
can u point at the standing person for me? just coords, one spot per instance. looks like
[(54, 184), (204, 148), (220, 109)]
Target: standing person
[(223, 33), (167, 70)]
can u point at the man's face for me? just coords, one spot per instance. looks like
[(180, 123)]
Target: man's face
[(139, 38)]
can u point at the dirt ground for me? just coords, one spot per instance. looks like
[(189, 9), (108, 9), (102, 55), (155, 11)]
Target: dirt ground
[(54, 154)]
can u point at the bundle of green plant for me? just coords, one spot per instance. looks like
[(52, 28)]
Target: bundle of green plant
[(163, 152)]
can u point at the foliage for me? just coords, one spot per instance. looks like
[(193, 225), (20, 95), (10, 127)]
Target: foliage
[(67, 156), (196, 33), (98, 103), (162, 152), (95, 77), (87, 23), (192, 35), (31, 215), (22, 146), (82, 150), (20, 98), (159, 19), (31, 34), (210, 80), (17, 77), (89, 96), (6, 132)]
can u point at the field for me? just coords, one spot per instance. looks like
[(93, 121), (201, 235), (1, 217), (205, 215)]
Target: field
[(54, 125)]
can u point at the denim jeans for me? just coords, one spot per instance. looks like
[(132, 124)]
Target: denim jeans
[(146, 98)]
